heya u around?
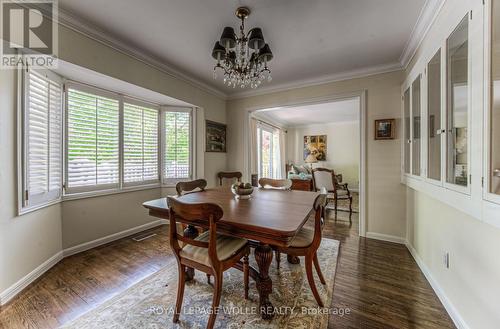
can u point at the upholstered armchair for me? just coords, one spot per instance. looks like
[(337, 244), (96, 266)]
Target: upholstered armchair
[(326, 178)]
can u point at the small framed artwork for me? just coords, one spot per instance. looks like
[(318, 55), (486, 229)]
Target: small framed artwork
[(385, 129), (215, 137), (315, 145)]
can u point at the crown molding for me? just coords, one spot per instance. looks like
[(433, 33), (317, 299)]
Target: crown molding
[(424, 22), (77, 24), (346, 75), (426, 18)]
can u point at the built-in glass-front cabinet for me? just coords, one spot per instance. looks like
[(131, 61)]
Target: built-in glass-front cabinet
[(494, 113), (457, 110), (451, 111), (434, 130), (455, 117)]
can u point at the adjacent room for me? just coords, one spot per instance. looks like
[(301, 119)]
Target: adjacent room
[(300, 143), (249, 164)]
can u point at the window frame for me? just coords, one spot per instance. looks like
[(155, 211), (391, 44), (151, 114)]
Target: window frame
[(171, 182), (133, 101), (84, 190), (22, 141)]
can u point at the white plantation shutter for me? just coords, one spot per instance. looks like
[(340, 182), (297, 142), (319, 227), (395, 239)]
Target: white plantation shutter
[(93, 155), (42, 138), (140, 144), (177, 145)]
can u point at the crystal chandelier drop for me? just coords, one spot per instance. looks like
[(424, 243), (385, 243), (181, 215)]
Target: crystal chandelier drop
[(242, 59)]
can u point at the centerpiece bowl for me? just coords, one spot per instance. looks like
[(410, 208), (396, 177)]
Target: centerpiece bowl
[(242, 190)]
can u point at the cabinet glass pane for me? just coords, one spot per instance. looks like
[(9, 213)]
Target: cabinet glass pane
[(415, 110), (457, 109), (407, 144), (434, 116), (495, 100)]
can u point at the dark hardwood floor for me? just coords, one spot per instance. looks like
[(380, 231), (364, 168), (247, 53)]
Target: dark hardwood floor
[(378, 282)]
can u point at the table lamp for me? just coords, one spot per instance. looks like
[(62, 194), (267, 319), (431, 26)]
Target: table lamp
[(311, 159)]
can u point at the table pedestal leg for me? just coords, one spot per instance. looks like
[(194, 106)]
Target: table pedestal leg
[(293, 259), (264, 257), (190, 232)]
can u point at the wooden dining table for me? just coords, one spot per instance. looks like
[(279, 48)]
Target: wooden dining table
[(269, 218)]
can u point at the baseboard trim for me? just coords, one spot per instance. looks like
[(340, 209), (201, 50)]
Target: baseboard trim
[(385, 237), (110, 238), (17, 287), (450, 308)]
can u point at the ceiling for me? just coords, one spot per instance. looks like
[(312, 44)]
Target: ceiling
[(324, 113), (310, 40)]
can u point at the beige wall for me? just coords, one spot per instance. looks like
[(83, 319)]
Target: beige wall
[(28, 241), (470, 286), (385, 194), (342, 152), (471, 282), (25, 241)]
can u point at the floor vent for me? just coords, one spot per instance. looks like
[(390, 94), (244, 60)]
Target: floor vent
[(142, 237)]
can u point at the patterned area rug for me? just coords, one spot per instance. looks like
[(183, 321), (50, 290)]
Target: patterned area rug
[(150, 303)]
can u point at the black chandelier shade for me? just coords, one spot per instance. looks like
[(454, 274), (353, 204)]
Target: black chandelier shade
[(265, 53), (256, 38), (218, 52), (228, 37)]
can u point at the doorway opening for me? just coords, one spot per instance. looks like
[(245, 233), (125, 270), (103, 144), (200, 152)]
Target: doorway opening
[(291, 141)]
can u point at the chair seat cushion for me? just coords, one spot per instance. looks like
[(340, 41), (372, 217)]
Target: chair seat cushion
[(303, 239), (226, 247)]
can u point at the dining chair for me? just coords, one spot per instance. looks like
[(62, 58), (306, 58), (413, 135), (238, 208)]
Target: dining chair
[(281, 184), (284, 184), (307, 242), (189, 186), (229, 175), (323, 177), (211, 253)]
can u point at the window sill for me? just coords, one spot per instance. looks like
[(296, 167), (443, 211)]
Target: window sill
[(93, 194), (26, 210)]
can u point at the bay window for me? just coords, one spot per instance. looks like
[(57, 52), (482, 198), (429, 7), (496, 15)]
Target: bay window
[(76, 140), (41, 139)]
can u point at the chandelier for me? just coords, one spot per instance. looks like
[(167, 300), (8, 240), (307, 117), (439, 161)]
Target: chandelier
[(242, 59)]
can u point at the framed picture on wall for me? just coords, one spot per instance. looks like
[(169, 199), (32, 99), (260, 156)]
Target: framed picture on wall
[(215, 137), (315, 145), (385, 129)]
